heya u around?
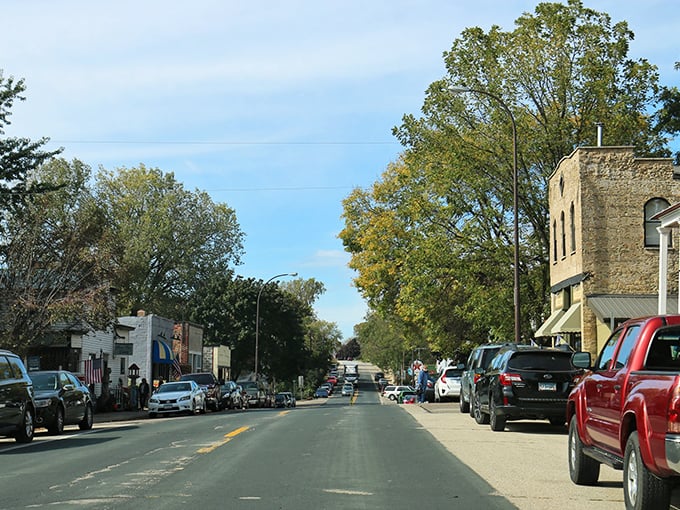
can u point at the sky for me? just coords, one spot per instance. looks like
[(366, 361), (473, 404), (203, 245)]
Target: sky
[(276, 108)]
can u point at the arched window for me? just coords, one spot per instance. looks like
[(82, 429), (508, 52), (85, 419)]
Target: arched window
[(652, 207), (554, 233), (572, 230), (564, 235)]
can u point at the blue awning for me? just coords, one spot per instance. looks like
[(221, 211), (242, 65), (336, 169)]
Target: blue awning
[(161, 352)]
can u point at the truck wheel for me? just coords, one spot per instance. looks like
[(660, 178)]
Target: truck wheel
[(478, 415), (496, 421), (641, 488), (583, 470)]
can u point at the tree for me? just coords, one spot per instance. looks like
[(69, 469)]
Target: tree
[(432, 240), (53, 267), (164, 241), (18, 156)]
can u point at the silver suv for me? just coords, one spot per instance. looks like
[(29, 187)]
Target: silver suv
[(17, 409), (476, 364)]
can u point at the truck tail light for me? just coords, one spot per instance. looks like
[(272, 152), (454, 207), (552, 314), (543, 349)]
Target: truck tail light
[(509, 378), (674, 411)]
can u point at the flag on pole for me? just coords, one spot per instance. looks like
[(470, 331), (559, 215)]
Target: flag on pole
[(177, 368), (93, 370)]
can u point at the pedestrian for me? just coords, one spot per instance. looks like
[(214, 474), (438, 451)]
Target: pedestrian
[(421, 384), (144, 390)]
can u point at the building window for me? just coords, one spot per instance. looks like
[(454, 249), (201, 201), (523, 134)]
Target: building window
[(564, 235), (554, 233), (652, 207), (572, 230)]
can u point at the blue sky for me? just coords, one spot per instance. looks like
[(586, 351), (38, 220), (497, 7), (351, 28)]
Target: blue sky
[(278, 109)]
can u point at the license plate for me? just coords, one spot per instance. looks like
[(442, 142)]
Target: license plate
[(167, 406), (547, 386)]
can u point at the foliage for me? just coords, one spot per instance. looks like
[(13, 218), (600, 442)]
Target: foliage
[(53, 267), (432, 241), (164, 241), (349, 350), (18, 156)]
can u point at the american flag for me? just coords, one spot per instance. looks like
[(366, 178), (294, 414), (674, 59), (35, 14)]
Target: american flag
[(93, 370), (177, 368)]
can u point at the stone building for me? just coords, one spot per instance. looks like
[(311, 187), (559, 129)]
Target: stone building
[(604, 254)]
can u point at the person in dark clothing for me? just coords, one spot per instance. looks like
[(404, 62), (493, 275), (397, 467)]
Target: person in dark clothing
[(144, 391)]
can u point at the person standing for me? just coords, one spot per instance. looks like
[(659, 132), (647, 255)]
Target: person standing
[(144, 390), (421, 384)]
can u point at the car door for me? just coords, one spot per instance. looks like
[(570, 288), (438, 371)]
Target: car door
[(71, 396), (9, 413)]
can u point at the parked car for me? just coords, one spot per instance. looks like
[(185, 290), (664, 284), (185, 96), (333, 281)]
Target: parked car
[(211, 387), (293, 400), (382, 382), (447, 384), (332, 379), (347, 390), (429, 390), (17, 409), (378, 375), (524, 382), (61, 399), (321, 392), (476, 364), (282, 400), (258, 394), (328, 386), (178, 397), (407, 397), (392, 391), (230, 394)]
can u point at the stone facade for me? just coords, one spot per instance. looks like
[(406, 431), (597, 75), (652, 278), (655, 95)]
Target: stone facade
[(597, 199)]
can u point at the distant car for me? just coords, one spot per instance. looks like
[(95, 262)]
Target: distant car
[(282, 400), (211, 387), (524, 382), (61, 399), (332, 379), (17, 410), (231, 397), (178, 397), (392, 391), (382, 382), (293, 400), (347, 390), (476, 364), (328, 386), (321, 392), (378, 375), (447, 385), (407, 397)]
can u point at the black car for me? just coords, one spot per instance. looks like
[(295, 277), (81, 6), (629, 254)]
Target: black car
[(208, 382), (17, 409), (282, 400), (61, 399), (378, 376), (524, 383)]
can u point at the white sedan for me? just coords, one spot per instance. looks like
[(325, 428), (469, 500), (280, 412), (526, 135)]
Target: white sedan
[(447, 385), (177, 397), (392, 391)]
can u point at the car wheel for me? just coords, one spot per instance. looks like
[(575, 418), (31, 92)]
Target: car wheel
[(88, 419), (27, 429), (57, 426), (152, 415), (204, 408), (583, 470), (463, 405), (641, 489), (392, 397), (496, 421), (478, 415), (192, 411), (557, 421), (437, 398)]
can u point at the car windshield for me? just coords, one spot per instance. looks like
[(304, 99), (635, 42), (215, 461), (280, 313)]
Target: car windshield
[(541, 360), (169, 387), (454, 372), (44, 381), (204, 379)]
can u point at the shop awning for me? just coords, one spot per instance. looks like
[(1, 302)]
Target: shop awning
[(546, 327), (616, 306), (570, 322), (161, 352)]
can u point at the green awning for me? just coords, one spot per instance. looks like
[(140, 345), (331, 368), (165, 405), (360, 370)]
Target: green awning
[(546, 327), (570, 322)]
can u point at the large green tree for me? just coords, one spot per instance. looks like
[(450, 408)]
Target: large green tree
[(432, 241), (164, 240)]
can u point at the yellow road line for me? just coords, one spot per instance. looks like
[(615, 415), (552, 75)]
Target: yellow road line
[(227, 437)]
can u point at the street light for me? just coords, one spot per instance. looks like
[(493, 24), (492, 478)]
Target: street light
[(459, 90), (257, 314)]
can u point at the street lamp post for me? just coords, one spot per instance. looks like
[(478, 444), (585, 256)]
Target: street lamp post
[(515, 205), (257, 315)]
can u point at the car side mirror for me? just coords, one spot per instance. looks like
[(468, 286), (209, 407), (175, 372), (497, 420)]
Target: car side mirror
[(581, 360)]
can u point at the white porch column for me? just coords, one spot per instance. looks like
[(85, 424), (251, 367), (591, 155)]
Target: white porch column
[(664, 232)]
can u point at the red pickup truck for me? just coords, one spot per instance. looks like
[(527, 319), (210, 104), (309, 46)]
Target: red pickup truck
[(625, 411)]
